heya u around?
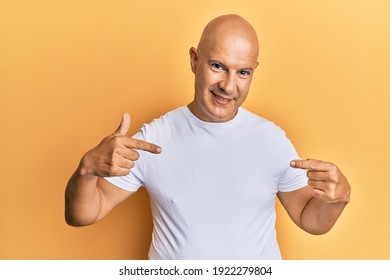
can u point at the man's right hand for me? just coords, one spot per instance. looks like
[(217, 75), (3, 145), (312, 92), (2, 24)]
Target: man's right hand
[(116, 154)]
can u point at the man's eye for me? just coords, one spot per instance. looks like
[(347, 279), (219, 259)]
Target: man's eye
[(216, 66), (245, 73)]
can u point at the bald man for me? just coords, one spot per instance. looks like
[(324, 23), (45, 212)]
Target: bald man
[(215, 174)]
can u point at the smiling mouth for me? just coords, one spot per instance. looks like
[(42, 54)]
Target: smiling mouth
[(221, 100)]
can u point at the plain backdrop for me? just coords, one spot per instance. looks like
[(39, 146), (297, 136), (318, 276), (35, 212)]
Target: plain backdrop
[(69, 69)]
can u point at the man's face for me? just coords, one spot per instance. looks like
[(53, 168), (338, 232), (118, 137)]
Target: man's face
[(223, 73)]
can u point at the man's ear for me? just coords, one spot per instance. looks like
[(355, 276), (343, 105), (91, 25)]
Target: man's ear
[(193, 58)]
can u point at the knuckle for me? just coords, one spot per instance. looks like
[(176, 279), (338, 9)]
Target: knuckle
[(110, 169), (116, 141), (334, 177), (333, 168), (115, 161), (332, 194), (116, 150), (139, 144), (334, 180), (112, 156)]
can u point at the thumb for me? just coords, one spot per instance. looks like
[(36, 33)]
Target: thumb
[(124, 126)]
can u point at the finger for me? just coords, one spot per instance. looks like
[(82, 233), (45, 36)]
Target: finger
[(303, 164), (310, 164), (317, 175), (130, 154), (119, 171), (110, 170), (328, 197), (123, 128), (142, 145), (127, 164), (118, 161), (321, 185)]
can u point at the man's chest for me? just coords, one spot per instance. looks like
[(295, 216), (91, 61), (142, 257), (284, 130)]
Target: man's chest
[(209, 169)]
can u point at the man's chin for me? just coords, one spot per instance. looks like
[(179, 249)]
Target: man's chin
[(223, 115)]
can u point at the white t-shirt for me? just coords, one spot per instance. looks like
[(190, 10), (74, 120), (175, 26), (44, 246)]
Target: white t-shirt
[(213, 187)]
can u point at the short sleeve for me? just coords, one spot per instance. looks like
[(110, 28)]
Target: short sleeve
[(133, 181), (292, 178)]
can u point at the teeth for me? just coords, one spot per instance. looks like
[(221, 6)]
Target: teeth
[(221, 98)]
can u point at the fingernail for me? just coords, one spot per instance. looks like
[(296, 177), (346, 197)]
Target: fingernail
[(292, 163)]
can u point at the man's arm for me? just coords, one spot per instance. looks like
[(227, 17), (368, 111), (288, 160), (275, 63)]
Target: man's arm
[(316, 207), (88, 197)]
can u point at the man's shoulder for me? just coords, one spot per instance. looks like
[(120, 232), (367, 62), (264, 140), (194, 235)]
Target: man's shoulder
[(257, 121), (176, 114), (165, 122)]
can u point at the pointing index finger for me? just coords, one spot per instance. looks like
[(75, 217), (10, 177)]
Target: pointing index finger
[(143, 145), (311, 164), (149, 147)]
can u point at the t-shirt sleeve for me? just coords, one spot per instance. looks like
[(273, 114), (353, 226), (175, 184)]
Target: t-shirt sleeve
[(133, 181), (292, 178)]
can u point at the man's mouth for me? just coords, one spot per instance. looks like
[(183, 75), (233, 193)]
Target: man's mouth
[(220, 99)]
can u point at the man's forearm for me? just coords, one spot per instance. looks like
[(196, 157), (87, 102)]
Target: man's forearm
[(82, 199), (318, 216)]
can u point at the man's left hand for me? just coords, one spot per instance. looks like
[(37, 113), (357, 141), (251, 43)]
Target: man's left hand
[(326, 180)]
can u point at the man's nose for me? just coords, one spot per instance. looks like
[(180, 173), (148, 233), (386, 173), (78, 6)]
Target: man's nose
[(228, 83)]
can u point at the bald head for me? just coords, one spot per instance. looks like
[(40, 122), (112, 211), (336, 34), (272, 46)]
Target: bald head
[(229, 29), (223, 64)]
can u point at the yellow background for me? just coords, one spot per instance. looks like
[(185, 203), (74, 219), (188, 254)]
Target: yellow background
[(68, 69)]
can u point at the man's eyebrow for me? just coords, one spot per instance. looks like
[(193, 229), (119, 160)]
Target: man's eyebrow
[(211, 61), (247, 69)]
